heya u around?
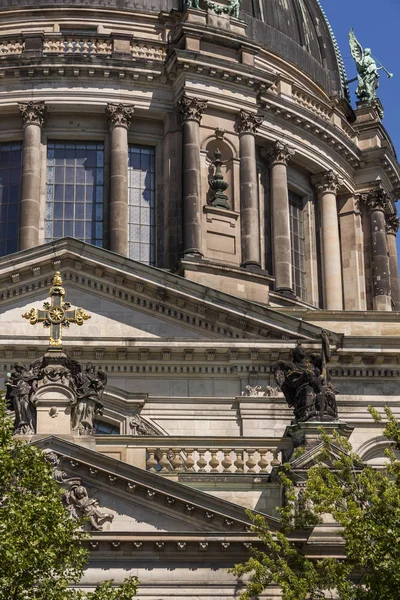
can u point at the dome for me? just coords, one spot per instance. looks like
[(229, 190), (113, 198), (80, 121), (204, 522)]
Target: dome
[(296, 30)]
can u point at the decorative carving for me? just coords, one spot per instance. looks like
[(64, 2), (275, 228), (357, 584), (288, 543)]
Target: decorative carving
[(140, 427), (33, 113), (378, 199), (248, 122), (279, 152), (119, 115), (326, 182), (57, 313), (191, 109), (217, 184), (89, 386), (306, 385), (262, 390), (392, 224), (21, 384)]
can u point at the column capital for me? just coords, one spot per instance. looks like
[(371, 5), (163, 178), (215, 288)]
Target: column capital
[(119, 115), (248, 122), (33, 113), (377, 199), (392, 224), (278, 152), (191, 109), (327, 181)]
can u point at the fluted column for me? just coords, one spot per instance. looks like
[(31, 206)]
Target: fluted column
[(392, 227), (191, 110), (33, 114), (119, 120), (249, 206), (327, 185), (278, 156), (378, 202)]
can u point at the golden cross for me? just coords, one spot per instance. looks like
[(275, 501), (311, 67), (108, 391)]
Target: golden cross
[(57, 313)]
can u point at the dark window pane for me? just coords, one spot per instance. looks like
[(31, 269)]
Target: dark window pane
[(10, 179), (72, 196)]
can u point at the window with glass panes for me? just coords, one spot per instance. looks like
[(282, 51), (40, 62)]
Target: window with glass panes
[(10, 189), (297, 243), (141, 182), (75, 185)]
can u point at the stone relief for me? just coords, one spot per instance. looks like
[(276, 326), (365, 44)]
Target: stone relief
[(306, 386), (76, 498), (140, 427), (262, 390), (88, 385)]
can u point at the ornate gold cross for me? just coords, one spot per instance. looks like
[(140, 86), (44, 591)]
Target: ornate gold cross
[(57, 313)]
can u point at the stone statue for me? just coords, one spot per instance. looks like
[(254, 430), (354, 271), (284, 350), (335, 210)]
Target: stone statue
[(307, 387), (368, 72), (21, 384), (79, 504), (89, 385)]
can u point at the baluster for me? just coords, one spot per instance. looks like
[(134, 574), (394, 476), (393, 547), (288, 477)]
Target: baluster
[(239, 462), (164, 462), (69, 46), (177, 460), (250, 462), (189, 460), (214, 461), (84, 46), (275, 462), (226, 461), (151, 462), (202, 462), (263, 463)]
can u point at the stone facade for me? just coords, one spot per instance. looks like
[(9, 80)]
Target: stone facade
[(191, 423)]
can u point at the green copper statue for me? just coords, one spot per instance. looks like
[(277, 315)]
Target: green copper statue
[(368, 71)]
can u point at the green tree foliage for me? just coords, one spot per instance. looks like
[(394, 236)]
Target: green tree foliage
[(364, 501), (42, 550)]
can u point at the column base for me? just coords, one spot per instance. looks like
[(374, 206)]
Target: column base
[(252, 266), (192, 253), (286, 293)]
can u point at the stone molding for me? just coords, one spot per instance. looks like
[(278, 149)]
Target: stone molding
[(191, 109), (278, 153), (119, 115), (33, 113), (377, 199), (327, 182), (392, 224), (248, 122)]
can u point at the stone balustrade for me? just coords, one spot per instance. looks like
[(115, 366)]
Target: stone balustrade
[(10, 47), (77, 45), (168, 460)]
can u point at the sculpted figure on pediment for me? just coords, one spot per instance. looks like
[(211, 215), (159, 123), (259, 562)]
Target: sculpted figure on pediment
[(89, 384), (21, 384), (307, 387)]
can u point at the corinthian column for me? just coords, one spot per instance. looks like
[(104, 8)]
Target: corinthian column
[(392, 227), (191, 110), (119, 120), (249, 207), (378, 202), (327, 185), (278, 156), (33, 114)]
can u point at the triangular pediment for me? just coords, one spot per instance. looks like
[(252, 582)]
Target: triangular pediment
[(129, 300), (140, 501)]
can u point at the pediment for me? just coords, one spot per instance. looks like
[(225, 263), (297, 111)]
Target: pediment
[(318, 455), (129, 300), (140, 501)]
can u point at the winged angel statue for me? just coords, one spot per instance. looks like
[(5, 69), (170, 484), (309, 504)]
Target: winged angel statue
[(368, 71)]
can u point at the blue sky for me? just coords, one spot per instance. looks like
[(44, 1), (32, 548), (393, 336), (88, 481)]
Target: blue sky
[(377, 26)]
